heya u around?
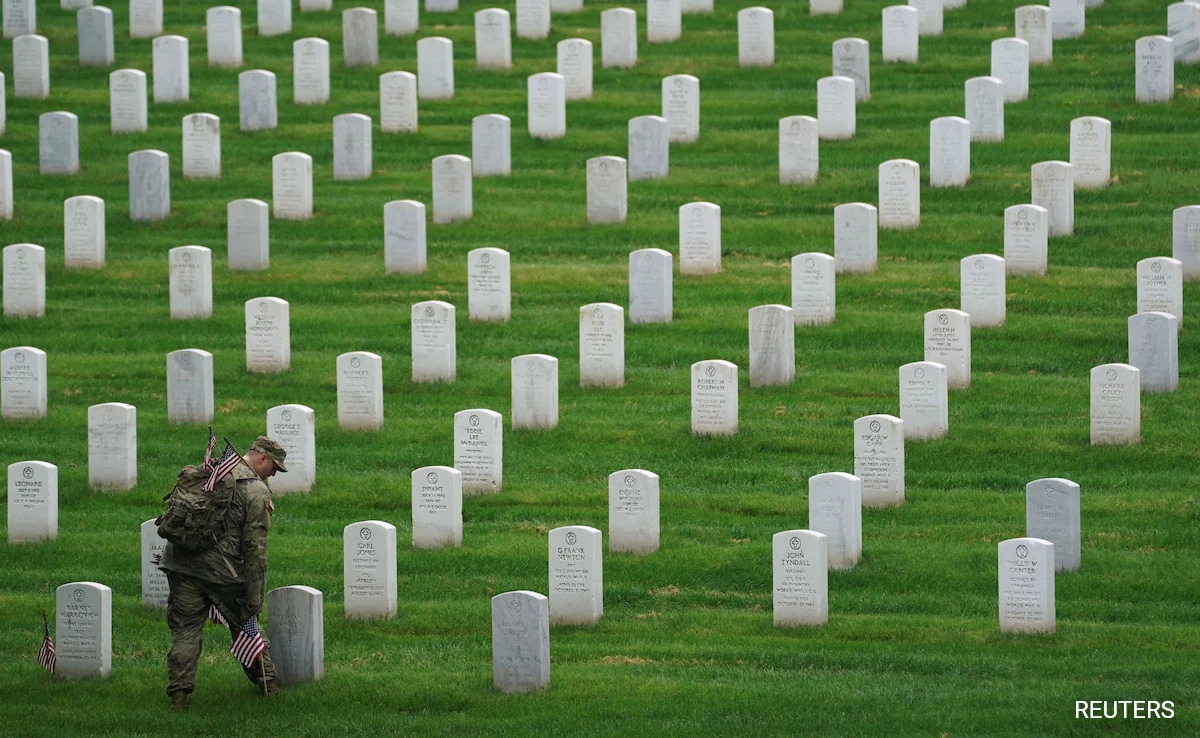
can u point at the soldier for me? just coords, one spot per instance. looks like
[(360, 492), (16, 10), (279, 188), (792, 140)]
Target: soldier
[(230, 575)]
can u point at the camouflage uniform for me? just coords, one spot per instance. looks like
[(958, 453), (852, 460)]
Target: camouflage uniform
[(231, 575)]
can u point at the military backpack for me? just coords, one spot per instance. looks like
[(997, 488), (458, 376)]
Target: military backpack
[(193, 518)]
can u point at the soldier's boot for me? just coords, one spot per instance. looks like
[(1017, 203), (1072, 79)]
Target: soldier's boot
[(270, 688), (179, 701)]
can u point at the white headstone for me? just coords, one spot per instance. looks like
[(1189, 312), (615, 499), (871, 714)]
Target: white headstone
[(575, 65), (32, 501), (31, 67), (948, 342), (606, 189), (1066, 18), (491, 145), (189, 386), (852, 58), (520, 641), (756, 37), (310, 64), (1052, 514), (799, 155), (714, 398), (696, 6), (435, 68), (401, 17), (929, 16), (1054, 189), (294, 427), (6, 179), (772, 345), (493, 39), (649, 147), (547, 105), (437, 519), (433, 342), (257, 107), (924, 406), (835, 509), (601, 345), (984, 108), (404, 237), (533, 19), (879, 459), (201, 146), (1160, 288), (398, 102), (145, 18), (360, 37), (534, 391), (949, 151), (1091, 152), (633, 511), (1154, 350), (855, 237), (58, 143), (899, 194), (155, 589), (190, 282), (699, 238), (24, 281), (681, 107), (112, 446), (360, 391), (95, 30), (824, 7), (172, 80), (1026, 573), (1010, 64), (149, 185), (351, 146), (982, 289), (274, 17), (291, 184), (618, 38), (452, 189), (441, 6), (800, 578), (83, 630), (1032, 24), (1183, 26), (369, 569), (479, 450), (1116, 404), (224, 29), (83, 232), (1155, 78), (836, 109), (248, 235), (814, 294), (650, 286), (489, 289), (268, 335), (1025, 236), (20, 17), (663, 21), (1185, 239), (127, 101), (900, 37), (576, 575), (296, 627)]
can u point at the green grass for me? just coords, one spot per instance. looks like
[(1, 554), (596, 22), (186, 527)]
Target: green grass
[(686, 644)]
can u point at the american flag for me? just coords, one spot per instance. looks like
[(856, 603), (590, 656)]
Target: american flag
[(215, 615), (46, 656), (248, 644), (224, 465), (212, 443)]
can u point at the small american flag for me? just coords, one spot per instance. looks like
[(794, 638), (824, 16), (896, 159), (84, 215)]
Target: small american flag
[(212, 443), (46, 656), (224, 465), (248, 644), (215, 615)]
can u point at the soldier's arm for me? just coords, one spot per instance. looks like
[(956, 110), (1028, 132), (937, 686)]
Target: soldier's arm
[(254, 543)]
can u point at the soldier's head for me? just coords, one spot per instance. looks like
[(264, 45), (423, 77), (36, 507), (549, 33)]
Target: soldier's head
[(266, 456)]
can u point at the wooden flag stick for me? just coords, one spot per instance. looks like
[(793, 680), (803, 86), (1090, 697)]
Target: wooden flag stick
[(262, 675)]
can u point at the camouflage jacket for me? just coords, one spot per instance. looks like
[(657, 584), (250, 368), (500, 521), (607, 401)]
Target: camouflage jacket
[(240, 556)]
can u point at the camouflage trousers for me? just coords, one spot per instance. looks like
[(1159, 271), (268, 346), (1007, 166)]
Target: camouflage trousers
[(187, 612)]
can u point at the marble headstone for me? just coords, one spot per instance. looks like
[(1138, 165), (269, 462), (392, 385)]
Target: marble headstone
[(534, 391), (601, 345), (127, 106), (984, 108), (1052, 514), (533, 19), (83, 232), (155, 589), (1010, 64), (835, 509), (491, 145), (172, 79), (649, 148), (435, 68), (575, 65), (1116, 404), (310, 64), (949, 151), (650, 286), (24, 281), (201, 146), (756, 37), (23, 391), (1154, 350), (699, 238), (1183, 26), (899, 194), (800, 578), (268, 335), (855, 237), (32, 501), (401, 17), (437, 520), (31, 67), (58, 143), (1025, 236), (879, 459), (398, 102), (274, 17), (576, 575), (900, 35), (1160, 287), (360, 391), (948, 342), (452, 200), (189, 386), (434, 357), (681, 107), (633, 506), (618, 38), (291, 184), (852, 58), (1091, 152), (489, 285), (83, 630), (1155, 76), (1026, 575), (369, 569), (924, 406), (1185, 239), (1067, 18), (360, 37), (493, 39), (145, 18), (772, 345), (520, 641), (836, 109), (149, 185), (294, 427), (112, 446), (663, 21), (248, 235), (1053, 188), (714, 398), (799, 150), (404, 248), (297, 629), (351, 146), (224, 36), (547, 105), (190, 282), (982, 289), (1032, 24), (479, 450), (606, 190), (95, 32), (813, 289)]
